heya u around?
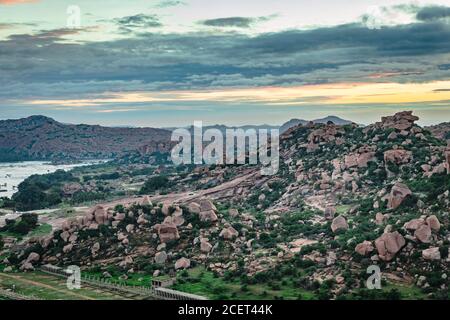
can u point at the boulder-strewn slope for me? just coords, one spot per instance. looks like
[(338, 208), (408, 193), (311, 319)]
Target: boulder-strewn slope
[(345, 198)]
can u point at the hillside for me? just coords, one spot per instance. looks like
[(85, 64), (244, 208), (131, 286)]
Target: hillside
[(345, 198), (42, 138)]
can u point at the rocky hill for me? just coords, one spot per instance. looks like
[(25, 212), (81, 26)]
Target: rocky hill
[(296, 122), (441, 131), (345, 198), (42, 138)]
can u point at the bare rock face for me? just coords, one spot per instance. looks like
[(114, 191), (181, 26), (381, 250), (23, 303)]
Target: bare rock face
[(229, 233), (423, 233), (398, 194), (434, 223), (389, 244), (167, 232), (182, 263), (397, 156), (431, 254), (364, 248), (339, 223)]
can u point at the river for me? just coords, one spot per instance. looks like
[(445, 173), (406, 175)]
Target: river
[(13, 173)]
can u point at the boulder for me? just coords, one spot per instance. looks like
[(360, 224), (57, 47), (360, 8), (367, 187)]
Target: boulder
[(339, 223), (431, 254), (100, 215), (119, 216), (161, 257), (141, 220), (389, 244), (401, 121), (178, 220), (397, 156), (205, 246), (68, 248), (434, 223), (414, 224), (229, 233), (208, 216), (65, 236), (70, 189), (167, 232), (26, 266), (33, 257), (364, 248), (146, 201), (398, 194), (165, 209), (182, 263), (380, 218), (423, 233), (95, 249), (447, 160), (330, 213), (194, 207), (233, 213), (206, 205)]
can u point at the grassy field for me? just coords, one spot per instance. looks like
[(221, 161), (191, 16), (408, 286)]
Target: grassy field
[(48, 287), (202, 282)]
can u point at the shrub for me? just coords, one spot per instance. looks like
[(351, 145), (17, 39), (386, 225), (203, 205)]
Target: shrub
[(154, 184)]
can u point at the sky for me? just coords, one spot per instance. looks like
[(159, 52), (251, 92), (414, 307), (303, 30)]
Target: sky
[(172, 62)]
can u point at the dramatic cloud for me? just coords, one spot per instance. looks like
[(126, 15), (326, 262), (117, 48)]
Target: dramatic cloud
[(432, 13), (138, 21), (169, 3), (237, 22), (41, 67)]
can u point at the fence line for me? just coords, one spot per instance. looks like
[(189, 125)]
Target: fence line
[(16, 296), (154, 292)]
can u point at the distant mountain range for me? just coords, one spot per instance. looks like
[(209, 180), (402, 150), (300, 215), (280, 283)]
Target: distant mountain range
[(283, 128), (42, 138)]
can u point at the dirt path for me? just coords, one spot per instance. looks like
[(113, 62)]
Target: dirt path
[(46, 286), (184, 196)]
